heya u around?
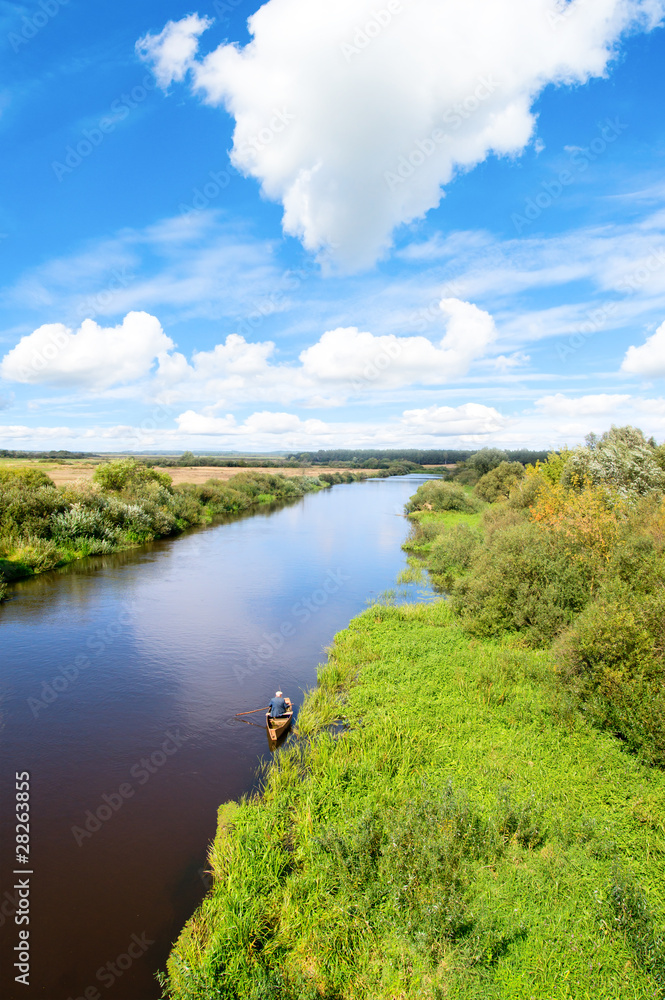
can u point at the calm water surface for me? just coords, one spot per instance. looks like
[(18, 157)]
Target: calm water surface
[(120, 677)]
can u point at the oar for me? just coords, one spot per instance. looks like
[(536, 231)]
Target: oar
[(246, 722), (254, 710)]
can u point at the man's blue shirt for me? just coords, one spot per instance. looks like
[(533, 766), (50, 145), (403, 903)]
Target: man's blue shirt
[(277, 707)]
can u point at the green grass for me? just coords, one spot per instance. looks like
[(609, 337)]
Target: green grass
[(428, 525), (464, 834)]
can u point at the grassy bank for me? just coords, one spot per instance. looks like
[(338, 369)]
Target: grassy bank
[(467, 834), (43, 526)]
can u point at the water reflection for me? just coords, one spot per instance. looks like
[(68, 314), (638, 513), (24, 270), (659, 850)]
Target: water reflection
[(105, 660)]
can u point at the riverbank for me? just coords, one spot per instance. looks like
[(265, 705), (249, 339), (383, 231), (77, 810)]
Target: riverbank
[(466, 834), (44, 526)]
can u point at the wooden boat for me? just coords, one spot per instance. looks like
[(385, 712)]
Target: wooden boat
[(277, 727)]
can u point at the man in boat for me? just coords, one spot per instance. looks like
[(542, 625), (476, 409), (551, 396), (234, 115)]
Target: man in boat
[(278, 706)]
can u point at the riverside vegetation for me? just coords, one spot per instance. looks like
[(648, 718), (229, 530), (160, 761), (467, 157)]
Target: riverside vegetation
[(43, 526), (475, 806)]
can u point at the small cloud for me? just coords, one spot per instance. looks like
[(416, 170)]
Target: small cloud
[(172, 51), (506, 364), (649, 359)]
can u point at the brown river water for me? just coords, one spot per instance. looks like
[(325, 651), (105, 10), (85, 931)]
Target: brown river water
[(119, 679)]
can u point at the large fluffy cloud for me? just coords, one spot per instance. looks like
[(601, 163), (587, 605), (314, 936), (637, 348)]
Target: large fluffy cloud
[(649, 359), (348, 354), (343, 362), (93, 357), (455, 421), (354, 114)]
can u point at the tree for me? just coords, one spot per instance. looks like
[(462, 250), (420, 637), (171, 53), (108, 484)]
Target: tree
[(621, 459), (497, 483), (127, 474)]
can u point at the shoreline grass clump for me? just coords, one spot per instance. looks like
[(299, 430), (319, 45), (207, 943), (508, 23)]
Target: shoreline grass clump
[(466, 834)]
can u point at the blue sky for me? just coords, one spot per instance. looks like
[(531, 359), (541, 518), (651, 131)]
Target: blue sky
[(412, 224)]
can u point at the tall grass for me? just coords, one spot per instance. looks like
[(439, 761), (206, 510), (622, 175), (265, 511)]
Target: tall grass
[(460, 836)]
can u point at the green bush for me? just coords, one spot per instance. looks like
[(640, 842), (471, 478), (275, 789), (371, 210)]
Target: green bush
[(522, 580), (439, 495), (43, 526), (27, 508), (451, 553), (621, 459), (498, 482), (25, 478), (126, 474), (478, 465), (614, 658)]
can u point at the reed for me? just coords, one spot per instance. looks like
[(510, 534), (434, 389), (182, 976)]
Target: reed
[(466, 834)]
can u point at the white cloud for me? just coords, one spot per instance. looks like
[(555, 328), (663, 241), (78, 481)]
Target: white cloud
[(649, 359), (256, 425), (450, 421), (553, 422), (355, 119), (93, 357), (601, 405), (172, 51), (348, 354), (343, 362)]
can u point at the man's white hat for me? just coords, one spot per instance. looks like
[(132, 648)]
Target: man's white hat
[(278, 694)]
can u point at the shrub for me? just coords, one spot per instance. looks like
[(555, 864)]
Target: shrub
[(451, 554), (621, 458), (613, 658), (28, 509), (126, 474), (439, 495), (26, 478), (81, 521), (523, 579), (497, 483)]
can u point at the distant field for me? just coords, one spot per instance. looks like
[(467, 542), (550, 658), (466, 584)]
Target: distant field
[(84, 469)]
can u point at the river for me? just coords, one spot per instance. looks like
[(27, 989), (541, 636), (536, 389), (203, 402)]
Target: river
[(120, 678)]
